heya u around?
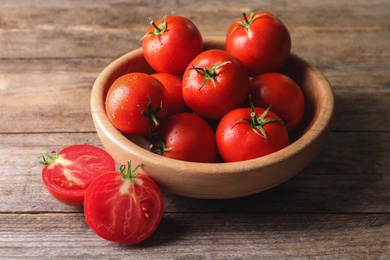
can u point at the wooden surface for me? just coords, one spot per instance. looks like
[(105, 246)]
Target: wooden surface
[(338, 207)]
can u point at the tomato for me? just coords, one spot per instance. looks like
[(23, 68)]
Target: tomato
[(242, 135), (171, 43), (123, 207), (67, 174), (280, 92), (187, 137), (214, 83), (135, 102), (172, 84), (260, 40)]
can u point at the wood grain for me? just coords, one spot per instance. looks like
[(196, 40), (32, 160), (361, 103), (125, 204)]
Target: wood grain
[(203, 236), (336, 208)]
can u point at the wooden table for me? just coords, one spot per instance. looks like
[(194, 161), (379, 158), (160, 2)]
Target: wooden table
[(338, 207)]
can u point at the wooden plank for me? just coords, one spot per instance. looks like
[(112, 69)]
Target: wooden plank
[(47, 95), (317, 45), (218, 13), (336, 181), (203, 236), (58, 31)]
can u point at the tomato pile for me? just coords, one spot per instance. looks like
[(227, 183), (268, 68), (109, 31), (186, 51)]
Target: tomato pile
[(216, 105), (200, 106)]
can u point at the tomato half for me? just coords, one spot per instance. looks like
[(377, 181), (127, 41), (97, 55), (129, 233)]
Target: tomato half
[(68, 173), (186, 137), (248, 133), (123, 207), (135, 102), (171, 43), (281, 93), (260, 40), (214, 83)]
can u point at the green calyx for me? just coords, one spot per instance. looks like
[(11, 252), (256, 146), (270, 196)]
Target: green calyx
[(158, 30), (152, 114), (209, 74), (258, 123), (246, 22), (126, 172), (159, 147), (48, 158)]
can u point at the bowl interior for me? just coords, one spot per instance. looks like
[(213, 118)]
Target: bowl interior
[(220, 180)]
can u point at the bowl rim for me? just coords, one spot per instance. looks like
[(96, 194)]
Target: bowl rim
[(312, 132)]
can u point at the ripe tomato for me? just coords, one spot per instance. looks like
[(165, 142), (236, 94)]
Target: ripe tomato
[(171, 43), (172, 84), (67, 174), (187, 137), (123, 207), (214, 83), (135, 102), (242, 135), (260, 40), (280, 92)]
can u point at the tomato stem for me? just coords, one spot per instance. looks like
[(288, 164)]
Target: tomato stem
[(258, 123), (246, 22), (48, 158), (246, 19), (158, 30), (127, 173), (159, 147), (152, 114), (209, 74)]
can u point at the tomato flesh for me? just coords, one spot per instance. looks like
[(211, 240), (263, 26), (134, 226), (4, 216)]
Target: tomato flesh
[(67, 176), (121, 210)]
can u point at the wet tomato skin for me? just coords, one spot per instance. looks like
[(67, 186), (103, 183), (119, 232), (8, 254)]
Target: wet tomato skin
[(262, 46), (171, 49), (281, 93), (172, 84), (237, 140), (130, 97), (214, 83), (187, 137)]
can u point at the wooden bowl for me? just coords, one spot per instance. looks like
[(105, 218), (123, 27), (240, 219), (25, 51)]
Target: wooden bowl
[(219, 180)]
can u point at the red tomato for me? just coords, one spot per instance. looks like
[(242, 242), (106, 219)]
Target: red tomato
[(123, 207), (171, 43), (68, 173), (242, 135), (260, 40), (186, 137), (280, 92), (135, 102), (172, 84), (214, 83)]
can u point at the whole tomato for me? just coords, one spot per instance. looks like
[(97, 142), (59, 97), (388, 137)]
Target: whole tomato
[(242, 134), (172, 84), (260, 40), (124, 207), (187, 137), (135, 102), (170, 43), (214, 83), (68, 173), (280, 92)]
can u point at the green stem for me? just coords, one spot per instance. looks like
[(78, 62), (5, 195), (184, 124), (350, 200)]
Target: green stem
[(127, 173)]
